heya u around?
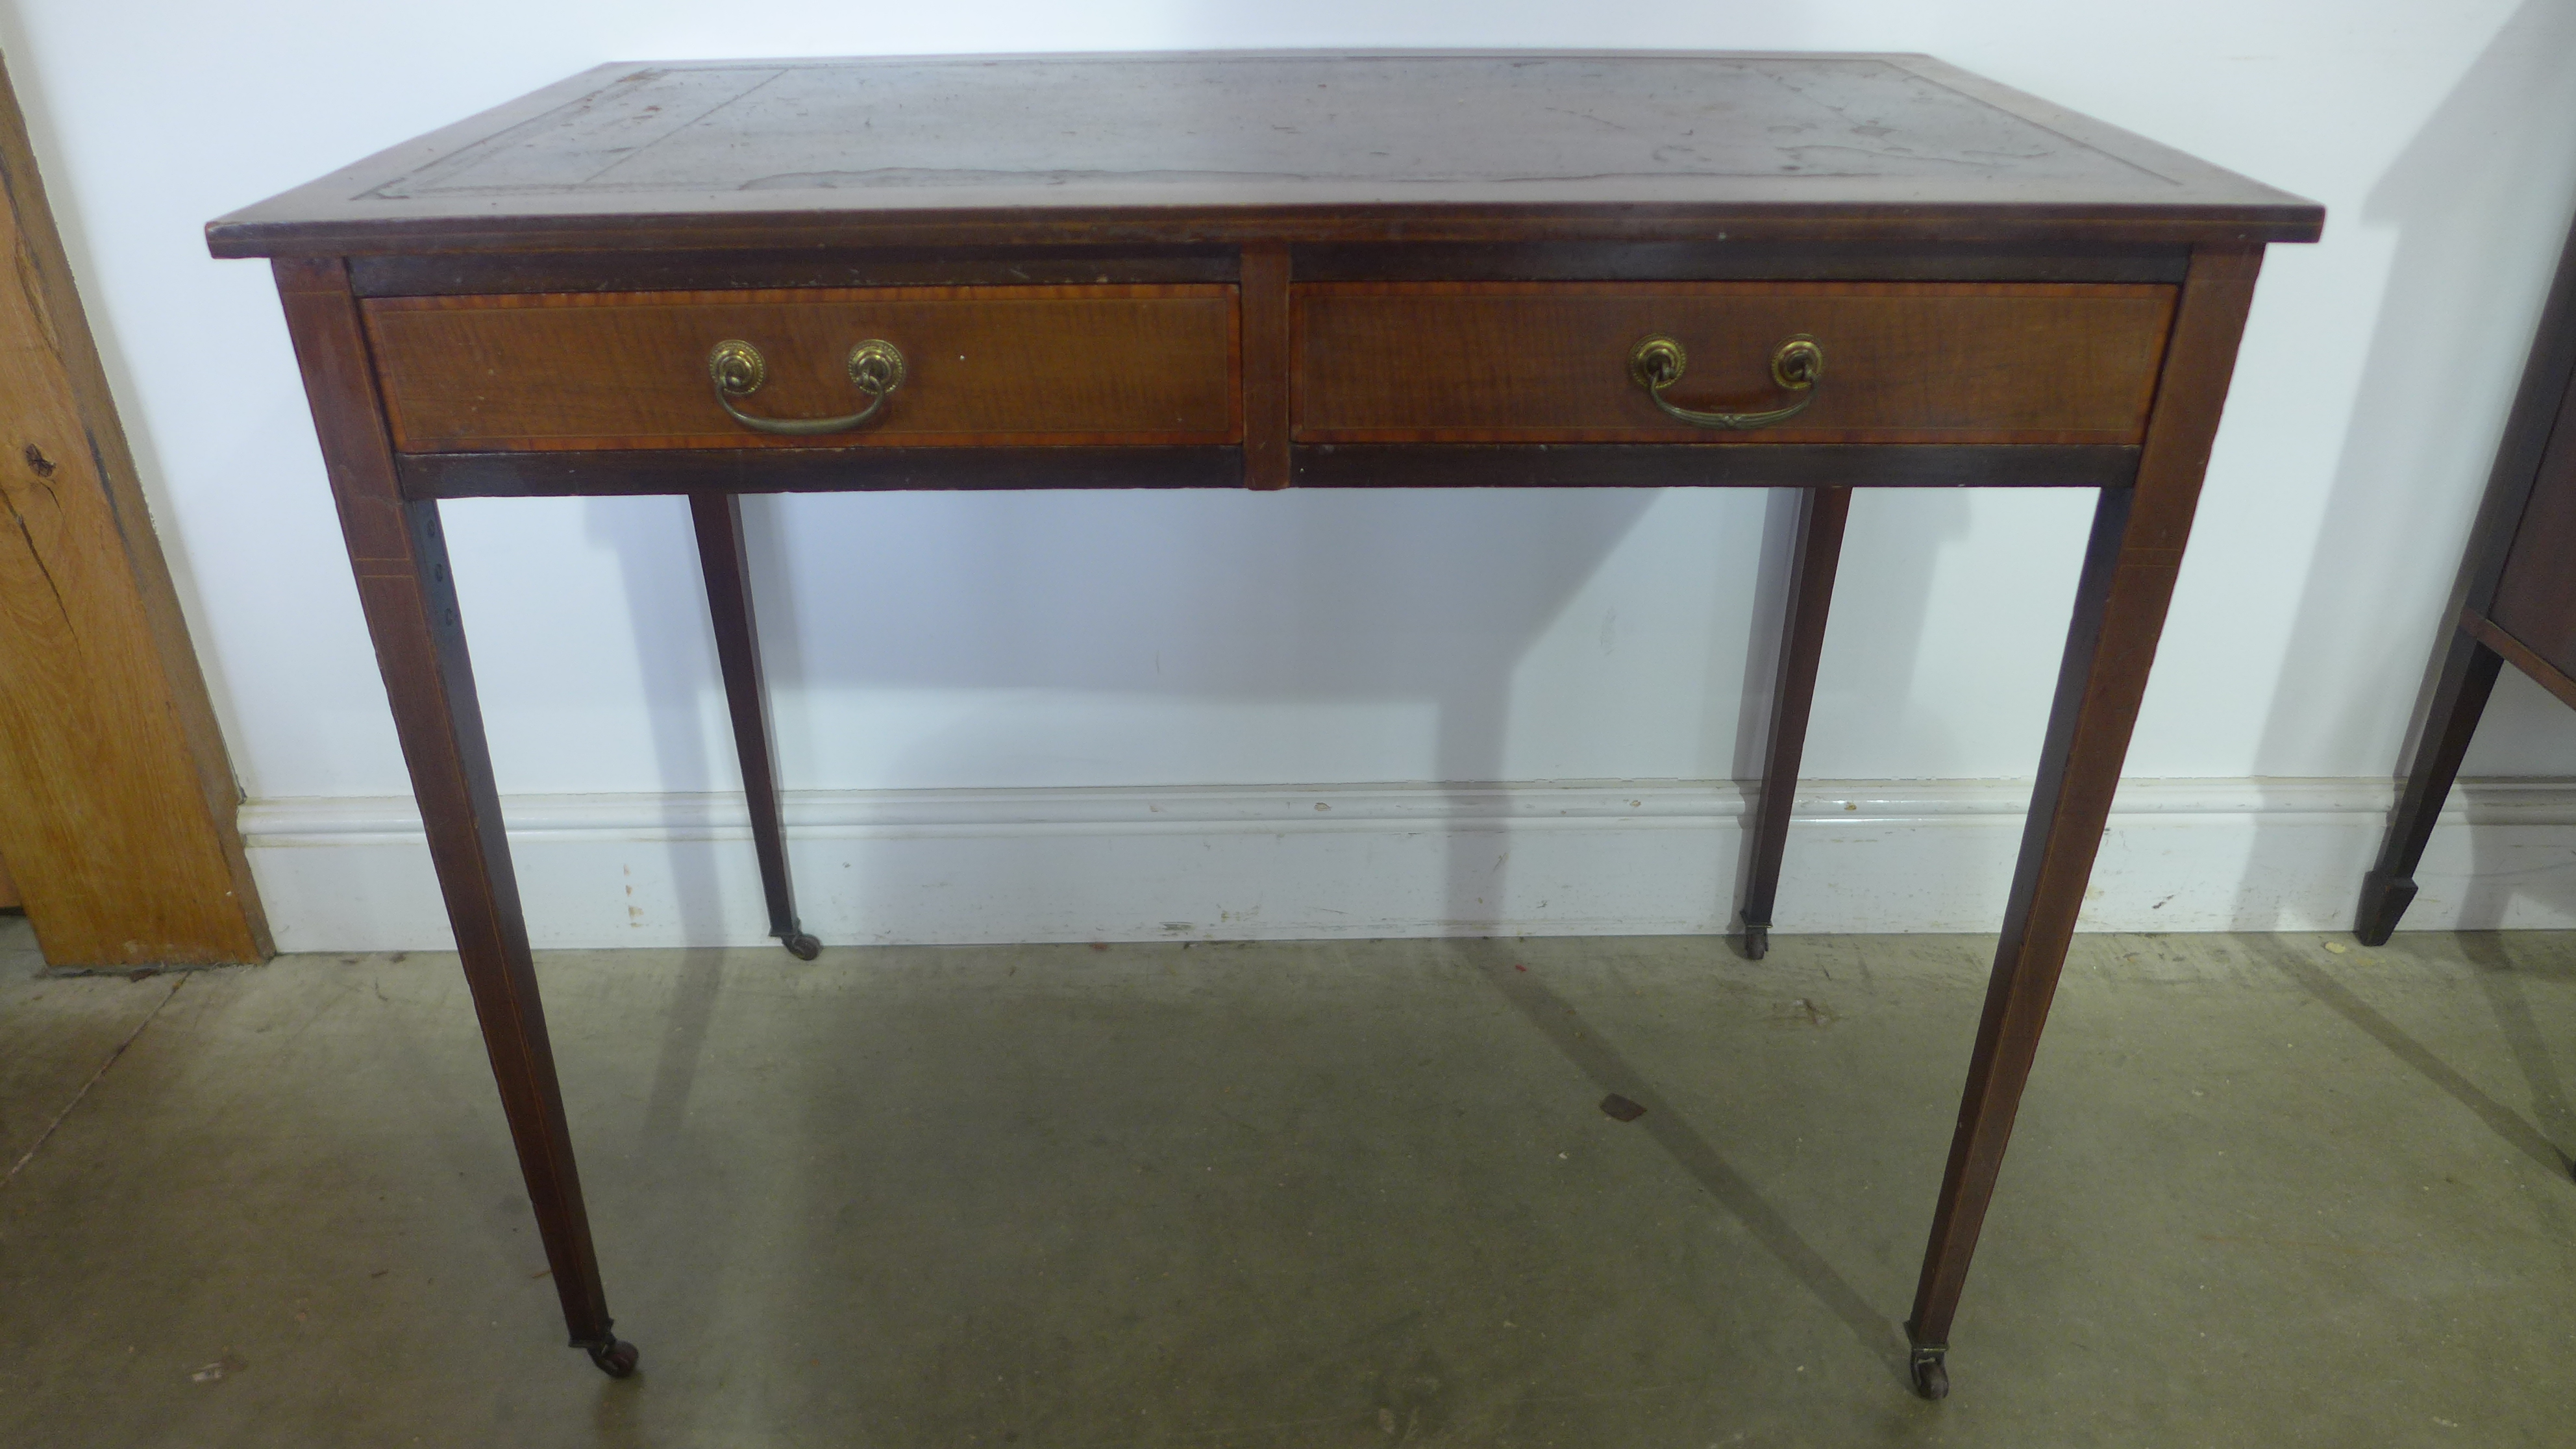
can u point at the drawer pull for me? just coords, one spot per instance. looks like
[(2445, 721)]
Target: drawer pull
[(1656, 363), (876, 368)]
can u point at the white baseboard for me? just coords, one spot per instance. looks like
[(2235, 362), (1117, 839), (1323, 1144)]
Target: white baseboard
[(1227, 863)]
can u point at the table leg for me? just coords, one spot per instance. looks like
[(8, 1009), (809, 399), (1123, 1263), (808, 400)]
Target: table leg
[(399, 554), (2468, 677), (1821, 514), (720, 555), (2129, 569)]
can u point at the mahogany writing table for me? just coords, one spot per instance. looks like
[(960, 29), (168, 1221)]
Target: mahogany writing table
[(1267, 271)]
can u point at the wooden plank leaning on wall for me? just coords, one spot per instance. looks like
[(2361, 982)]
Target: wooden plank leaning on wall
[(116, 796)]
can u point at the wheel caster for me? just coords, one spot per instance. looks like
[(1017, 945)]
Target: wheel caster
[(1931, 1375), (801, 946), (616, 1358), (1757, 942)]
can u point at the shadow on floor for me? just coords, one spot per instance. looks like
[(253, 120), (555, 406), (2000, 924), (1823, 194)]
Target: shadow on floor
[(2523, 1036), (1556, 1020)]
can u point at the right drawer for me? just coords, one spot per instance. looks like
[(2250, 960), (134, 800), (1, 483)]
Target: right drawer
[(1557, 362)]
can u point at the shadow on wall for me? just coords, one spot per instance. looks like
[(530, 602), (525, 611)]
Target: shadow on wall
[(1414, 596), (1311, 597), (2449, 313), (1426, 598), (666, 598)]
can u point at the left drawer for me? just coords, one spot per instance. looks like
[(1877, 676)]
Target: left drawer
[(981, 367)]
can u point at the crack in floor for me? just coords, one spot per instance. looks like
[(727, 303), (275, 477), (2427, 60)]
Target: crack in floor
[(47, 1135)]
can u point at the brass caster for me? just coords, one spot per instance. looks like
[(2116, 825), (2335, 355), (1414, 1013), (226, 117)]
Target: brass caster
[(616, 1358)]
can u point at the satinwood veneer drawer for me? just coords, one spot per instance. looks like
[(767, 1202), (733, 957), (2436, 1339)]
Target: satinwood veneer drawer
[(1545, 362), (973, 366)]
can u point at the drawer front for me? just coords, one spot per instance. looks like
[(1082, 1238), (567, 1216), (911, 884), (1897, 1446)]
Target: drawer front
[(983, 366), (1511, 362), (2535, 601)]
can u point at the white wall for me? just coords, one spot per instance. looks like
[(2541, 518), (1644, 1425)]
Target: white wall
[(1144, 642)]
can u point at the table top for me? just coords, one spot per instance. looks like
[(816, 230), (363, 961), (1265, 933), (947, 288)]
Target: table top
[(1188, 147)]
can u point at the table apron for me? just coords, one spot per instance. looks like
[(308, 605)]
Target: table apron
[(1417, 465)]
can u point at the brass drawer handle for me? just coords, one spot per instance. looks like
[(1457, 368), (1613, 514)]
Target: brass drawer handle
[(876, 368), (1656, 363)]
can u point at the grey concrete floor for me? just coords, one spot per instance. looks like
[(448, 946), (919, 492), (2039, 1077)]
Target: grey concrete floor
[(2265, 1190)]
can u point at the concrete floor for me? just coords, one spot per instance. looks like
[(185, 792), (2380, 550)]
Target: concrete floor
[(2266, 1190)]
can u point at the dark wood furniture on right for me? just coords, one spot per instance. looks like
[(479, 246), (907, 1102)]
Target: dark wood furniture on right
[(2516, 599)]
